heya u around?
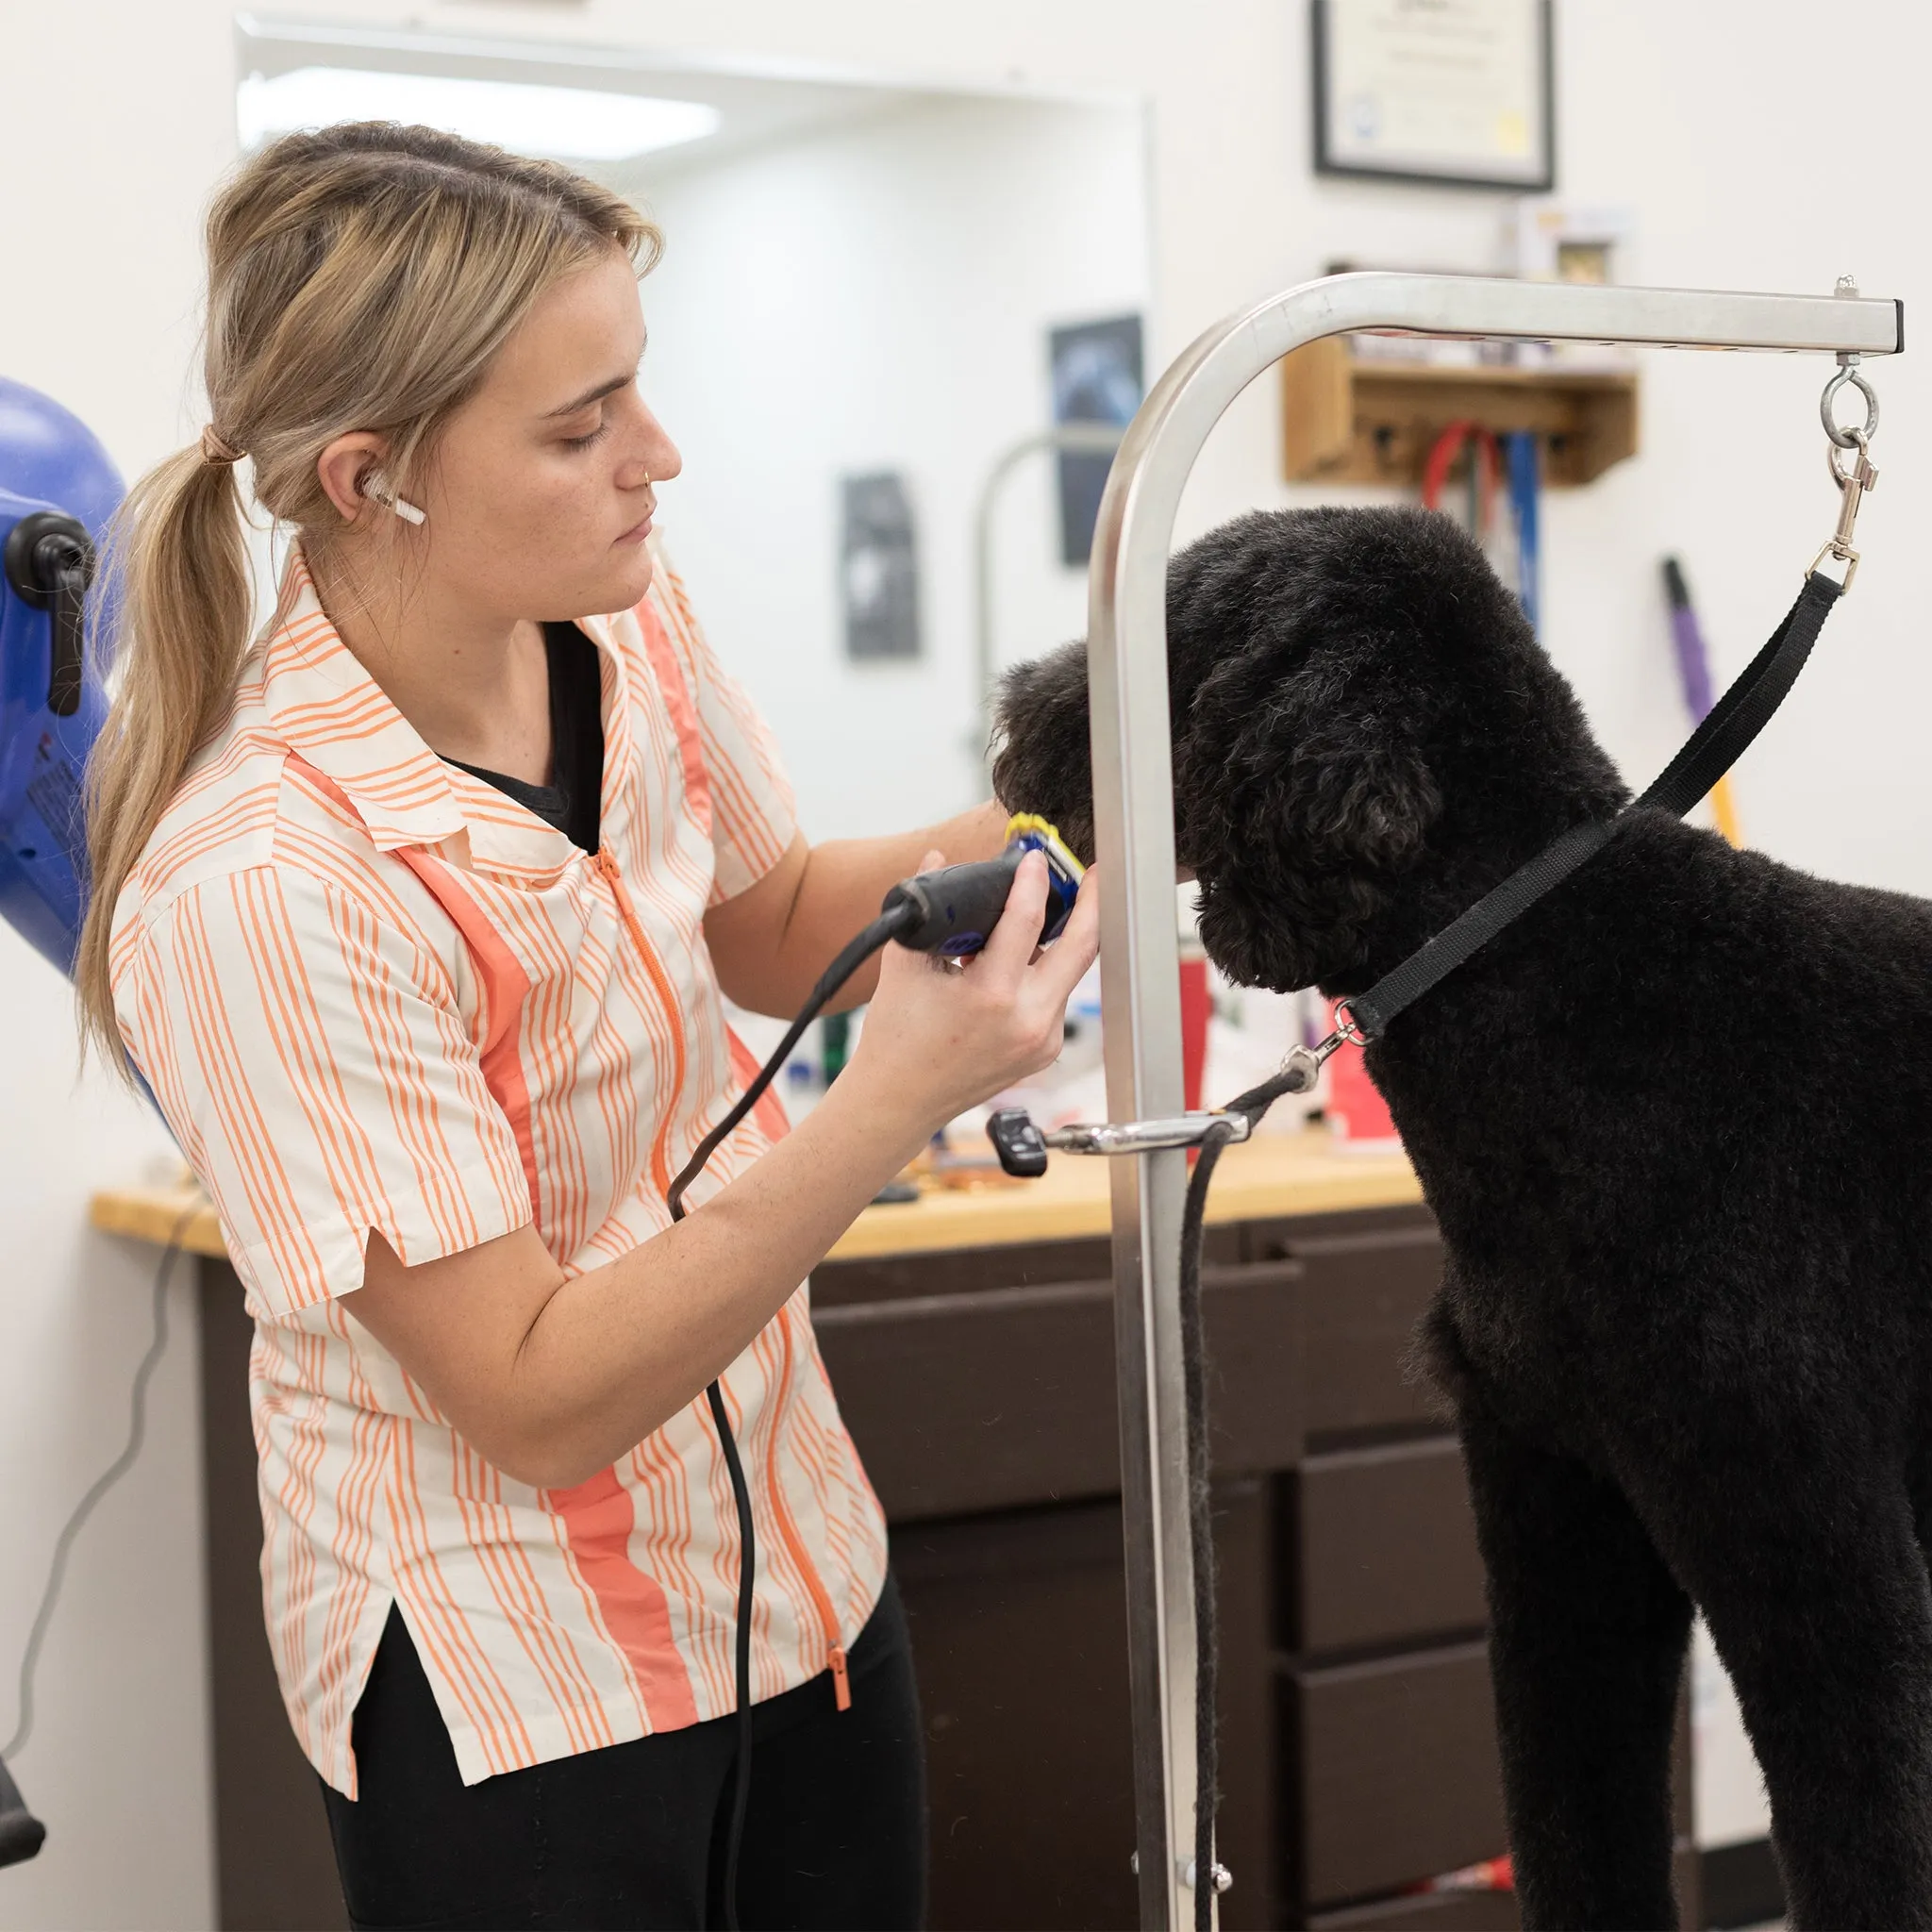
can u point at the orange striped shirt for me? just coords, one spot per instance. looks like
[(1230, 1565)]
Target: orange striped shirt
[(371, 991)]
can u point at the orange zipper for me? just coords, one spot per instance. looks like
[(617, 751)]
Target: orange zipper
[(781, 1509), (794, 1543)]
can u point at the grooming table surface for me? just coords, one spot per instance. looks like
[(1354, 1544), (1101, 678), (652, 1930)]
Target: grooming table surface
[(1276, 1174)]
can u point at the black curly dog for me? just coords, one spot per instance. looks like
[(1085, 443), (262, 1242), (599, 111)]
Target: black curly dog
[(1674, 1124)]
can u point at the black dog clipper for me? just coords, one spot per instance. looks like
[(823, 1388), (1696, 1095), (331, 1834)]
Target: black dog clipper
[(959, 905)]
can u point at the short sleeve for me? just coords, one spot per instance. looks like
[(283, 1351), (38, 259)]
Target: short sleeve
[(753, 814), (315, 1068)]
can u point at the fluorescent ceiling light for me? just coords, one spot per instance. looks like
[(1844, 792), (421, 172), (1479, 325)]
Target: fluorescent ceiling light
[(569, 124)]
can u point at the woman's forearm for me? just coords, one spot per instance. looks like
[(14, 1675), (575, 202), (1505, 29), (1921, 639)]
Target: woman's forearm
[(615, 1352)]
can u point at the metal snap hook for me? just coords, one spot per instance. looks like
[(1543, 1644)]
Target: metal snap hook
[(1861, 473), (1848, 438)]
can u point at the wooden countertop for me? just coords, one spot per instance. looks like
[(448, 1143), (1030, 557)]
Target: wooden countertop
[(1273, 1175)]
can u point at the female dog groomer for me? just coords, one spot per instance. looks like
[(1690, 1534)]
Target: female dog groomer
[(415, 915)]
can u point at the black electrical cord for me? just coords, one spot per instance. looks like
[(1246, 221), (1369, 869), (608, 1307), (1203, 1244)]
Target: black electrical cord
[(21, 1833), (1252, 1104), (901, 917)]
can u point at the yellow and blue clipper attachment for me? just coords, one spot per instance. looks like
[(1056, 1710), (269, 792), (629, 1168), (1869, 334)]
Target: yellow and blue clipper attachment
[(958, 906)]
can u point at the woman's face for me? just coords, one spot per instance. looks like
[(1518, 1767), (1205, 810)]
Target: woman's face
[(539, 496)]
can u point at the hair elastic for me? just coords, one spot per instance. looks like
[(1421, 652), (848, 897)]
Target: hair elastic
[(217, 452)]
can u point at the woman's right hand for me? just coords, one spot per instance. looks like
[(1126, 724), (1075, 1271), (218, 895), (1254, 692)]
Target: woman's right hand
[(938, 1038)]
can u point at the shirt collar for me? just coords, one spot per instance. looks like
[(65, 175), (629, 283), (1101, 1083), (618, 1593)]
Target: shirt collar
[(329, 709)]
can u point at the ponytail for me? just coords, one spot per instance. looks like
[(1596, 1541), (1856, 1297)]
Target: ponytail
[(175, 575)]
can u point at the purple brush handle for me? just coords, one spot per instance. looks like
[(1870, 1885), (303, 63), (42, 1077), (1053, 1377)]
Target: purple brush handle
[(1693, 662)]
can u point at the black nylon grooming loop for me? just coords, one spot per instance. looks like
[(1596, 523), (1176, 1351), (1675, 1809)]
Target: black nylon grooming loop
[(1712, 749)]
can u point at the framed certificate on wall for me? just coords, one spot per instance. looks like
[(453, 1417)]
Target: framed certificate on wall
[(1455, 92)]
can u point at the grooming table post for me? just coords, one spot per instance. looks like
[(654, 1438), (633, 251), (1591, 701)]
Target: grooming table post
[(1133, 795)]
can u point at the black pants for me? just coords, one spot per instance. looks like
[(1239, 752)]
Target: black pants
[(633, 1836)]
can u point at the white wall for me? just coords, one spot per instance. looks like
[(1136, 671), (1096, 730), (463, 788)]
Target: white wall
[(1757, 152), (117, 1766), (879, 298)]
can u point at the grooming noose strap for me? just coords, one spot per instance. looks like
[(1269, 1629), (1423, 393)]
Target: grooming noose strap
[(1710, 750)]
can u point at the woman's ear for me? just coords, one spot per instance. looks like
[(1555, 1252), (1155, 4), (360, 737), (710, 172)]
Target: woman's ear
[(344, 466), (1299, 825)]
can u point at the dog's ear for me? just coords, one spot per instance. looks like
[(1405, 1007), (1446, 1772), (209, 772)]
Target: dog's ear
[(1303, 800), (1042, 761)]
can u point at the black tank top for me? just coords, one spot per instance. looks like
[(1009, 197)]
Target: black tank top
[(570, 801)]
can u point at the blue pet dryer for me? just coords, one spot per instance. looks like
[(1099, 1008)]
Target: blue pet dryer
[(58, 490)]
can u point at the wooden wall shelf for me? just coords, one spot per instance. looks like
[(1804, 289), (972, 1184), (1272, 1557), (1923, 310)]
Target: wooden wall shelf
[(1348, 419)]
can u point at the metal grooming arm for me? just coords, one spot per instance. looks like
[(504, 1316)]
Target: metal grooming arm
[(1133, 793)]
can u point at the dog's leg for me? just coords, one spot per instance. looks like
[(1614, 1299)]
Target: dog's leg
[(1816, 1593), (1587, 1649)]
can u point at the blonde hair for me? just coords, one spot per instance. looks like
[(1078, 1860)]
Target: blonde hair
[(363, 277)]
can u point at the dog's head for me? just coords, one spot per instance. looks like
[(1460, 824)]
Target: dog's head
[(1358, 704)]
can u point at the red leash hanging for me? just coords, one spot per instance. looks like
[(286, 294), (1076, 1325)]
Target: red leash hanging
[(1486, 459)]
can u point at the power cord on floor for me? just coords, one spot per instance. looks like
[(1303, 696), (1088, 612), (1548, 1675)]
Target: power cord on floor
[(21, 1834)]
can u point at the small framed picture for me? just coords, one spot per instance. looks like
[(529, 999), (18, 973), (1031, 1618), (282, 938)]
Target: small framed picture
[(1459, 93), (878, 566), (1096, 374)]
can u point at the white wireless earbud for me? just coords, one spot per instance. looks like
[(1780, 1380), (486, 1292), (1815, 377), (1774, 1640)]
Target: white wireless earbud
[(375, 485)]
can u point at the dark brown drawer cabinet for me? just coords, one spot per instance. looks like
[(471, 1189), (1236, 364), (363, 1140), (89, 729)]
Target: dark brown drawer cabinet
[(1364, 1294), (1357, 1748), (1384, 1547), (1397, 1770), (985, 1399)]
